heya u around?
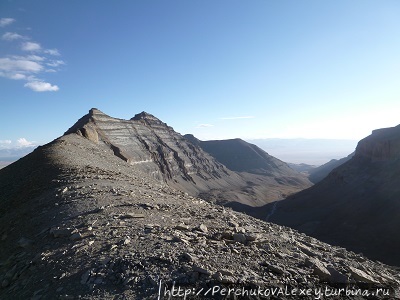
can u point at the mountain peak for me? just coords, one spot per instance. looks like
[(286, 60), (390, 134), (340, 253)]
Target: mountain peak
[(148, 119), (95, 111)]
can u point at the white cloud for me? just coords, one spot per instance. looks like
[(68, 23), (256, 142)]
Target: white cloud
[(41, 86), (52, 52), (15, 145), (23, 142), (55, 63), (6, 21), (204, 125), (31, 46), (19, 65), (28, 67), (17, 76), (11, 36)]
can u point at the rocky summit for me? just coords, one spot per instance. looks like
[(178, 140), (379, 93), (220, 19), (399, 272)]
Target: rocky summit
[(357, 205), (79, 219)]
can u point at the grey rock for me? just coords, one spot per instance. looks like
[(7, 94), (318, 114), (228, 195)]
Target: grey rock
[(239, 237), (203, 228), (75, 236), (132, 216), (359, 275), (201, 270)]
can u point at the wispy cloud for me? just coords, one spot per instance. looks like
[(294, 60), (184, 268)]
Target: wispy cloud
[(19, 143), (54, 52), (28, 65), (204, 125), (6, 21), (237, 118), (11, 36), (40, 86), (31, 46)]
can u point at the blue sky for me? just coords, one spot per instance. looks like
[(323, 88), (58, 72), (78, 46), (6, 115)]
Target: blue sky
[(217, 69)]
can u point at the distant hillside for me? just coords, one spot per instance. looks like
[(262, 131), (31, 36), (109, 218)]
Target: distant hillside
[(319, 173), (242, 156), (302, 168)]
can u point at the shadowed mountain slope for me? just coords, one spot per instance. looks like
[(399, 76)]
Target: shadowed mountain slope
[(78, 222), (319, 173), (358, 205)]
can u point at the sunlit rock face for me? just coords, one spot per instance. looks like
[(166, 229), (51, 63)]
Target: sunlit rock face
[(152, 146)]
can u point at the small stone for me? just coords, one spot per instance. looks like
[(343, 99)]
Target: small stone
[(239, 237), (322, 272), (64, 190), (188, 257), (252, 237), (182, 227), (227, 235), (201, 270), (203, 228), (359, 275), (226, 272), (76, 236), (276, 269), (132, 216)]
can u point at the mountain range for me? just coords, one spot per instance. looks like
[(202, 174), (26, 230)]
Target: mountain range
[(112, 209)]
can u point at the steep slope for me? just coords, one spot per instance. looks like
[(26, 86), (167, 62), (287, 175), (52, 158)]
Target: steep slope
[(357, 206), (156, 149), (77, 222), (319, 173)]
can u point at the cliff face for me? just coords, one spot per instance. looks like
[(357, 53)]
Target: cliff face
[(357, 205), (381, 145), (150, 145)]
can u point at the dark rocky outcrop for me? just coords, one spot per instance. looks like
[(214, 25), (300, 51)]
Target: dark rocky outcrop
[(357, 205)]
